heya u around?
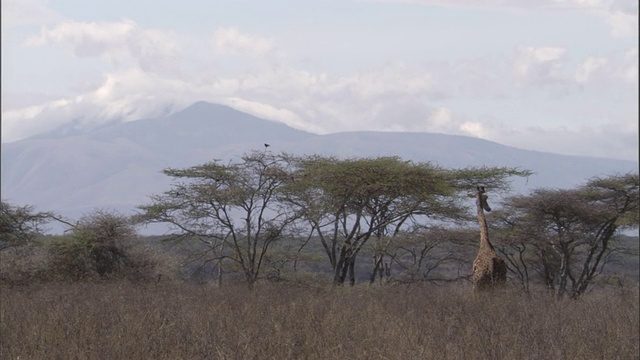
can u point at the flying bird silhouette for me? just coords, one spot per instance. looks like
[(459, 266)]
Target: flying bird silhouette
[(266, 145)]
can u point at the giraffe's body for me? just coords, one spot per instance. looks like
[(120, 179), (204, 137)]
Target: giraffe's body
[(489, 270)]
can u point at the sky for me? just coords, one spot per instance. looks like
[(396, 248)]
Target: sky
[(549, 75)]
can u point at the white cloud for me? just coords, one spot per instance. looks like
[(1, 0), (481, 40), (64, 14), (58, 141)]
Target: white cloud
[(372, 99), (120, 42), (589, 67), (230, 40), (128, 95), (629, 70), (392, 97), (620, 15), (472, 128), (615, 71), (147, 78), (392, 78), (27, 12), (28, 121), (88, 39), (622, 24), (268, 111), (440, 120), (538, 64)]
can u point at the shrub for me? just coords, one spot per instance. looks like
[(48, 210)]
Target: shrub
[(22, 265), (102, 245)]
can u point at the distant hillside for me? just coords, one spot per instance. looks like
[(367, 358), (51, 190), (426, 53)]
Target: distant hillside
[(118, 165)]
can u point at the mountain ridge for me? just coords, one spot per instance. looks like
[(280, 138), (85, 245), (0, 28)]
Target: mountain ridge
[(117, 165)]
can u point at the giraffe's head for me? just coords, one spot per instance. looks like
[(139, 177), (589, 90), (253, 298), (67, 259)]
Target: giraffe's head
[(481, 198)]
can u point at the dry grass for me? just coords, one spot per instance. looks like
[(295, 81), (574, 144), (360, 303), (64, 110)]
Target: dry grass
[(180, 321)]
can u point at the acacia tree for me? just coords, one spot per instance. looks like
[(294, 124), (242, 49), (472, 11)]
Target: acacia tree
[(349, 202), (615, 200), (572, 232), (231, 209), (19, 225)]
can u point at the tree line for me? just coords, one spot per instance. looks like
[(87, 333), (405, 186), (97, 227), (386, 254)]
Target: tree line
[(256, 216)]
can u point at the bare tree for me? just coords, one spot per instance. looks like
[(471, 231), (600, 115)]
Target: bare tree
[(421, 253)]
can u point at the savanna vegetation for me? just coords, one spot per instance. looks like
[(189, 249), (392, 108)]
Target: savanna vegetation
[(279, 256), (122, 320)]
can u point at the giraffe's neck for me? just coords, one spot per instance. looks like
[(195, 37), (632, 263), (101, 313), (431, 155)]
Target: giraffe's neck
[(484, 228)]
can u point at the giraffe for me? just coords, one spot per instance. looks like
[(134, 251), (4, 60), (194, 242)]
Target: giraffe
[(489, 269)]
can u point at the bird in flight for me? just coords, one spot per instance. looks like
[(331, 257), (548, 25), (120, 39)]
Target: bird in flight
[(266, 145)]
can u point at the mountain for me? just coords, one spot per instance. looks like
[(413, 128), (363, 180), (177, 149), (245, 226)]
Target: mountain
[(118, 165)]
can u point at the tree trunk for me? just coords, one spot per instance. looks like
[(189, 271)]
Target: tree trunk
[(562, 277), (377, 269), (352, 276)]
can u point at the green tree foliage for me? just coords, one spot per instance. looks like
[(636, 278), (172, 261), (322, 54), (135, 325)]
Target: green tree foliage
[(233, 210), (349, 202), (19, 225), (571, 233), (236, 211)]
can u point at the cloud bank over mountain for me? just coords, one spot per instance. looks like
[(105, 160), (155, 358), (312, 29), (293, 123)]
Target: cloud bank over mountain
[(551, 75)]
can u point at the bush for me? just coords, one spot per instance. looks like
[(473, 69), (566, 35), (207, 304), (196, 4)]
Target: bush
[(101, 245), (22, 265)]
